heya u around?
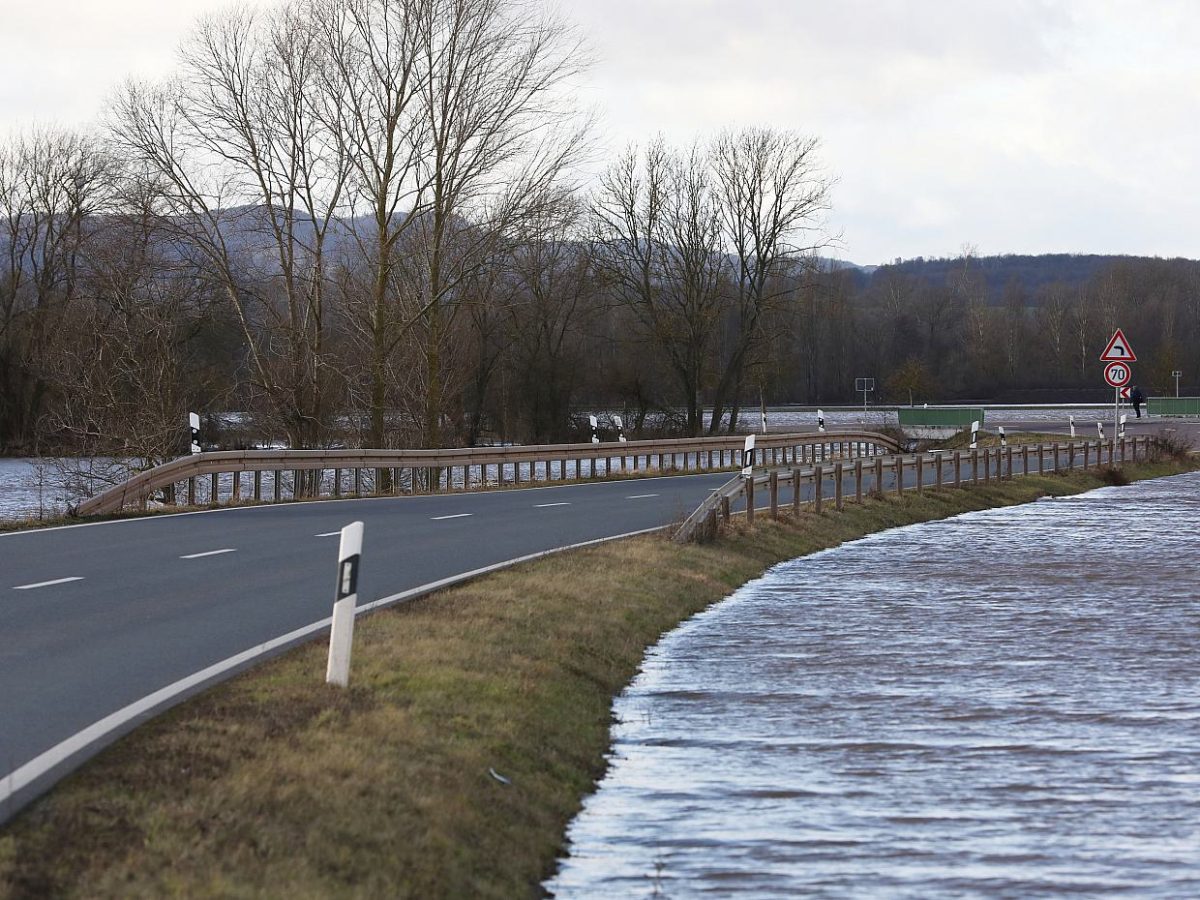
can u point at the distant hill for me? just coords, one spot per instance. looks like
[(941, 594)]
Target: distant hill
[(1030, 272)]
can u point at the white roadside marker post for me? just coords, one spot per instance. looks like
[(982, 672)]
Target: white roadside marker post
[(1003, 437), (620, 423), (748, 456), (1121, 433), (1072, 428), (595, 430), (974, 435), (194, 427), (821, 420), (341, 635)]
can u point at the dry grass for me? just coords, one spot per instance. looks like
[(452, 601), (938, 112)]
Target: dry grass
[(275, 785)]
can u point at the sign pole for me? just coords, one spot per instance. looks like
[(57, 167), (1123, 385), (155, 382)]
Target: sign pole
[(1116, 420)]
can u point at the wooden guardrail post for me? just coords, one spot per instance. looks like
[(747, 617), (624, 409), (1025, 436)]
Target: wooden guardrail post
[(974, 467), (837, 486), (987, 464), (879, 475), (774, 485), (898, 465), (818, 487), (957, 468), (1009, 462), (919, 463), (725, 512), (858, 478), (937, 472), (750, 499), (795, 492)]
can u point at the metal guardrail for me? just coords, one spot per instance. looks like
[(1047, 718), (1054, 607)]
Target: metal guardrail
[(981, 465), (411, 471)]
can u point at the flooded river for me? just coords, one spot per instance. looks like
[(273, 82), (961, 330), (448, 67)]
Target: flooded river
[(1004, 704)]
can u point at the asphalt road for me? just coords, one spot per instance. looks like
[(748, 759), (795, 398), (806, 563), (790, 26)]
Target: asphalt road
[(96, 618), (106, 624)]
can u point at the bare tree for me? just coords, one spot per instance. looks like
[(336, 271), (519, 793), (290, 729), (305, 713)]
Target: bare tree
[(374, 80), (254, 180), (773, 193), (502, 132), (51, 183), (546, 320), (657, 247)]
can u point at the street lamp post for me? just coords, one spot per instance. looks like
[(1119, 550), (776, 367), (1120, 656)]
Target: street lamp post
[(1177, 375)]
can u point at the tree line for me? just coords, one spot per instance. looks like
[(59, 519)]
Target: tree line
[(363, 222)]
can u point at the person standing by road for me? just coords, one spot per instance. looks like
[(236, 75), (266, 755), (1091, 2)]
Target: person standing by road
[(1137, 398)]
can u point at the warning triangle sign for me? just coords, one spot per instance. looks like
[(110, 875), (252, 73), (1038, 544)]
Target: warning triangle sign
[(1118, 349)]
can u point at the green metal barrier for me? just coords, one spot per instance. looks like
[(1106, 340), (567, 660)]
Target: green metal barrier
[(1173, 406), (946, 417)]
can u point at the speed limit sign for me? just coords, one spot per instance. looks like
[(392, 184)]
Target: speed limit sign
[(1117, 374)]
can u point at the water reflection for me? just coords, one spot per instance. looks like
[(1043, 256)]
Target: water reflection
[(1002, 704)]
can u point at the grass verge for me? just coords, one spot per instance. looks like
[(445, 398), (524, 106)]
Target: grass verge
[(275, 785)]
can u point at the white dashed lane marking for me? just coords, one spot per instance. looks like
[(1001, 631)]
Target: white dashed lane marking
[(640, 496), (209, 553), (546, 505), (456, 516), (328, 534), (42, 584)]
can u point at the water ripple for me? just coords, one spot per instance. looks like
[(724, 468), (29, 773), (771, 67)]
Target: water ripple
[(1003, 704)]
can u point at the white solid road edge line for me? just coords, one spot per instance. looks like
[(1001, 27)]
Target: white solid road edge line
[(41, 584), (64, 750), (44, 762), (209, 553)]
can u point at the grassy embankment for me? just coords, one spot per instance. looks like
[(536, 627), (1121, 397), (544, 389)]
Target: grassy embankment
[(276, 785)]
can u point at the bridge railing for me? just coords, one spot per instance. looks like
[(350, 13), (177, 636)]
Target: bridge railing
[(235, 476), (833, 482)]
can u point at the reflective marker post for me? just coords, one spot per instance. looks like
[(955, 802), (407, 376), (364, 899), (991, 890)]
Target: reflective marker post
[(341, 635), (748, 456)]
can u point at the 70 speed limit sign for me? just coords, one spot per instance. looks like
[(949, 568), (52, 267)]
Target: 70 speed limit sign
[(1117, 374)]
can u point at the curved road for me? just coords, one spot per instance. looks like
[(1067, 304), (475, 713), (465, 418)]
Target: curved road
[(106, 624), (97, 618)]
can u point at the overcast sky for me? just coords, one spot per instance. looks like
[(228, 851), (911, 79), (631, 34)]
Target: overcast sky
[(1017, 126)]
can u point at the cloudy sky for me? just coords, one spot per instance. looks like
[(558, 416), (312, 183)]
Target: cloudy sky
[(1016, 126)]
